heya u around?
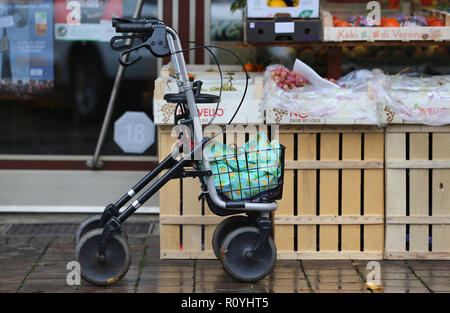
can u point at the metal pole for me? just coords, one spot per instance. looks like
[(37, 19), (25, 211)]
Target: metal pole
[(95, 162)]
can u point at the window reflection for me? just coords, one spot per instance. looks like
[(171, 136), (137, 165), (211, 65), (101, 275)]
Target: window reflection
[(58, 104)]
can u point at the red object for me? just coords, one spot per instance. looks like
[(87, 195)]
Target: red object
[(430, 19), (341, 23), (427, 3), (389, 22), (437, 23), (356, 23), (111, 8), (394, 4)]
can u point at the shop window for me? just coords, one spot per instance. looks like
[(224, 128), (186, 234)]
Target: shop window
[(56, 80)]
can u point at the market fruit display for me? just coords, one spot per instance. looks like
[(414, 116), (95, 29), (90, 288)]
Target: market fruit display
[(287, 79), (400, 20)]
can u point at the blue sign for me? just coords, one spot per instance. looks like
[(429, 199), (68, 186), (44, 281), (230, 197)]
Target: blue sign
[(26, 46)]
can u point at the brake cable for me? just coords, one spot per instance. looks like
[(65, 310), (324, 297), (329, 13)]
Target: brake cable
[(243, 67)]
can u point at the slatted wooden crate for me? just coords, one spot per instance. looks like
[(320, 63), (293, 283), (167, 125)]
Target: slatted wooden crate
[(187, 224), (417, 192), (332, 206), (333, 200)]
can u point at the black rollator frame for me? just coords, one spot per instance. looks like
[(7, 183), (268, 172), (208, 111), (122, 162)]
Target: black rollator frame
[(239, 241)]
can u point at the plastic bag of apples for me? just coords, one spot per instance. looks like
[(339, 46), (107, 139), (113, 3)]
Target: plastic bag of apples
[(302, 91)]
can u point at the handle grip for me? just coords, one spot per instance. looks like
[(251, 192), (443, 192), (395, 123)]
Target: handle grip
[(134, 28)]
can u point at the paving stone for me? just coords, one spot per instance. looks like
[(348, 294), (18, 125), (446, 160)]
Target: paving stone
[(335, 279), (338, 286), (328, 272), (168, 275), (403, 283), (4, 228), (294, 283), (19, 254), (436, 280), (223, 287), (167, 282), (110, 289), (281, 275), (429, 264), (327, 265), (432, 273), (46, 285), (284, 289), (155, 230), (404, 290), (168, 268), (341, 291), (395, 276), (164, 289)]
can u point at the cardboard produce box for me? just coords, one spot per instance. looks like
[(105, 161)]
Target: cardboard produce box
[(282, 29), (249, 113), (301, 9)]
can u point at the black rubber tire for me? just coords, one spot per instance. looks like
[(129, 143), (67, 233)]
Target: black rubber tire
[(92, 223), (116, 265), (224, 228), (244, 269)]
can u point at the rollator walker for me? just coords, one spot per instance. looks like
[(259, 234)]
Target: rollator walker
[(243, 242)]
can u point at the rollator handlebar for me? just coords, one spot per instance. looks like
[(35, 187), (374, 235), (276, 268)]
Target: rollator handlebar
[(135, 25), (151, 32)]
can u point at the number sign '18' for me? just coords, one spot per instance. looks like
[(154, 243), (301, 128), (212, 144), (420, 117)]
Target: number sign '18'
[(134, 132)]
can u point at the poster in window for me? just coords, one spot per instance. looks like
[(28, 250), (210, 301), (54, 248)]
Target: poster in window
[(86, 19), (26, 46)]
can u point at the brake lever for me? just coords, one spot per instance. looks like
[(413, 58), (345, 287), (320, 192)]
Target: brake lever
[(125, 46), (126, 52)]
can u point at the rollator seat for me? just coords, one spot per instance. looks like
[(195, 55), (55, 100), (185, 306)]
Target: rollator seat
[(201, 98)]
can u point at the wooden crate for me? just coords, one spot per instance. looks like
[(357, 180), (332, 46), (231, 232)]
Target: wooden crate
[(417, 192), (187, 224), (342, 34), (333, 200)]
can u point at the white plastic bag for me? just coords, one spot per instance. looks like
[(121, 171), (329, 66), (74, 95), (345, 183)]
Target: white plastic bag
[(325, 100), (419, 100)]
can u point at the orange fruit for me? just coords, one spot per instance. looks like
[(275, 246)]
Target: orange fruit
[(389, 22), (342, 23), (430, 19), (260, 68), (437, 23), (250, 67)]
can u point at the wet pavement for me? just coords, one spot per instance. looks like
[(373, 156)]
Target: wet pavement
[(34, 258)]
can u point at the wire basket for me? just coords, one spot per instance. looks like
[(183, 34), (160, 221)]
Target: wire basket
[(253, 176)]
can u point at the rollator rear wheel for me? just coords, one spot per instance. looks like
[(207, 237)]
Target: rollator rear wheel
[(92, 223), (236, 259), (224, 228), (117, 258)]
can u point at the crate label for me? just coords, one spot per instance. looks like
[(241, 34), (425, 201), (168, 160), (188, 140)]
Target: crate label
[(164, 112), (284, 27), (384, 33)]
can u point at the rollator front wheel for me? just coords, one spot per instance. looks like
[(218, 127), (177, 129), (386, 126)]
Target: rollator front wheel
[(103, 272), (240, 263), (224, 228), (92, 223)]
